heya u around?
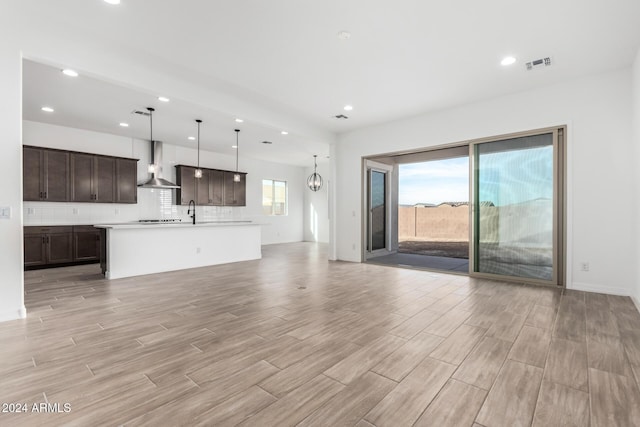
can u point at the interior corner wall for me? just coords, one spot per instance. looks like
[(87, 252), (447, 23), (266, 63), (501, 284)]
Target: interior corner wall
[(636, 135), (600, 163), (316, 208), (11, 250)]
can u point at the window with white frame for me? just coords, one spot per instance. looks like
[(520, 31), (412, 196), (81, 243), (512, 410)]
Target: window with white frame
[(274, 197)]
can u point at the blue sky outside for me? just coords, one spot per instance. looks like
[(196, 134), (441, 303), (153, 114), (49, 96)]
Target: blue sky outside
[(507, 177), (434, 182)]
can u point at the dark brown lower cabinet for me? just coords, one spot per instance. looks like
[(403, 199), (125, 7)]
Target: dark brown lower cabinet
[(48, 245), (60, 245), (35, 252), (86, 243)]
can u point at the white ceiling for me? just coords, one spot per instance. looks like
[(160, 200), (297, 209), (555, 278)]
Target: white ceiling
[(404, 57), (88, 103)]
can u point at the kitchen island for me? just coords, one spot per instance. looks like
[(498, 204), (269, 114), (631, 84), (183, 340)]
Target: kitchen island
[(134, 249)]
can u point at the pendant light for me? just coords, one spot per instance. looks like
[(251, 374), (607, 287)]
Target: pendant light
[(152, 166), (314, 182), (198, 173), (236, 176)]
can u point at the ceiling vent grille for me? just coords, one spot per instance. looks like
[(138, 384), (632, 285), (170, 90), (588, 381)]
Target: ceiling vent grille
[(341, 117), (538, 63), (141, 113)]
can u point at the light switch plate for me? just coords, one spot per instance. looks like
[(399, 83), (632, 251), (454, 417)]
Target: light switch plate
[(5, 212)]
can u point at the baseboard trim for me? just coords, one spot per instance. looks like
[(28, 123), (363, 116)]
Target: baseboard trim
[(21, 313), (589, 287)]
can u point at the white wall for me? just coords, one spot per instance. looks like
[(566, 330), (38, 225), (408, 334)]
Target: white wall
[(11, 278), (597, 112), (316, 208), (154, 203), (636, 135)]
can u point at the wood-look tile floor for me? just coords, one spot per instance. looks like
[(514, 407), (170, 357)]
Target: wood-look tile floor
[(295, 340)]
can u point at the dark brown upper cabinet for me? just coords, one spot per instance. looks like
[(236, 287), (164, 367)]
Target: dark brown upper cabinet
[(213, 189), (202, 189), (235, 193), (93, 178), (67, 176), (46, 175), (210, 188), (216, 187), (126, 181), (186, 179)]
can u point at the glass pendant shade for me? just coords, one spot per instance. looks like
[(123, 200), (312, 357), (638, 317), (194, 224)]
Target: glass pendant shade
[(198, 173), (314, 182), (236, 177), (151, 168)]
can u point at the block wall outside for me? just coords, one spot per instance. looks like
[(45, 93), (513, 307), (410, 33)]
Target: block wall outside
[(527, 224), (442, 223)]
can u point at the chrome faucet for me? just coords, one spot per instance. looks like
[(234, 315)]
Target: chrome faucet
[(189, 211)]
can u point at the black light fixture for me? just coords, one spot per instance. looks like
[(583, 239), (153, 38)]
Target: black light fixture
[(236, 176), (314, 182), (198, 173), (151, 168)]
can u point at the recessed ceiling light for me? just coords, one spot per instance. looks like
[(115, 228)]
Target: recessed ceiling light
[(348, 107), (124, 125), (47, 109), (509, 60), (239, 120), (69, 72), (234, 146), (191, 138), (112, 1), (284, 132), (163, 99), (344, 35)]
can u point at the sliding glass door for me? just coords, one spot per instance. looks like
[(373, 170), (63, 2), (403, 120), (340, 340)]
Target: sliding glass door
[(517, 218), (377, 210), (376, 205)]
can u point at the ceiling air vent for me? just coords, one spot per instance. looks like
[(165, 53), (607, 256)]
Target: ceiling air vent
[(141, 113), (267, 142), (341, 117), (538, 63)]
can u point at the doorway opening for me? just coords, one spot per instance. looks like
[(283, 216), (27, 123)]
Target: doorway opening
[(430, 210), (433, 213)]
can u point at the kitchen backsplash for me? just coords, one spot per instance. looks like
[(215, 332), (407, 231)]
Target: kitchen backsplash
[(152, 204)]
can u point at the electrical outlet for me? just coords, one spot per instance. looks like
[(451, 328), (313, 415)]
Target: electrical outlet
[(198, 250), (353, 247), (117, 211), (584, 266), (75, 211)]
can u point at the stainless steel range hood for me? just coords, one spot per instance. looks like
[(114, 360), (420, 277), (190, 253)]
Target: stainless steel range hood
[(156, 180)]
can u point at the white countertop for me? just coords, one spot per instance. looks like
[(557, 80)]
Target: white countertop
[(185, 224)]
